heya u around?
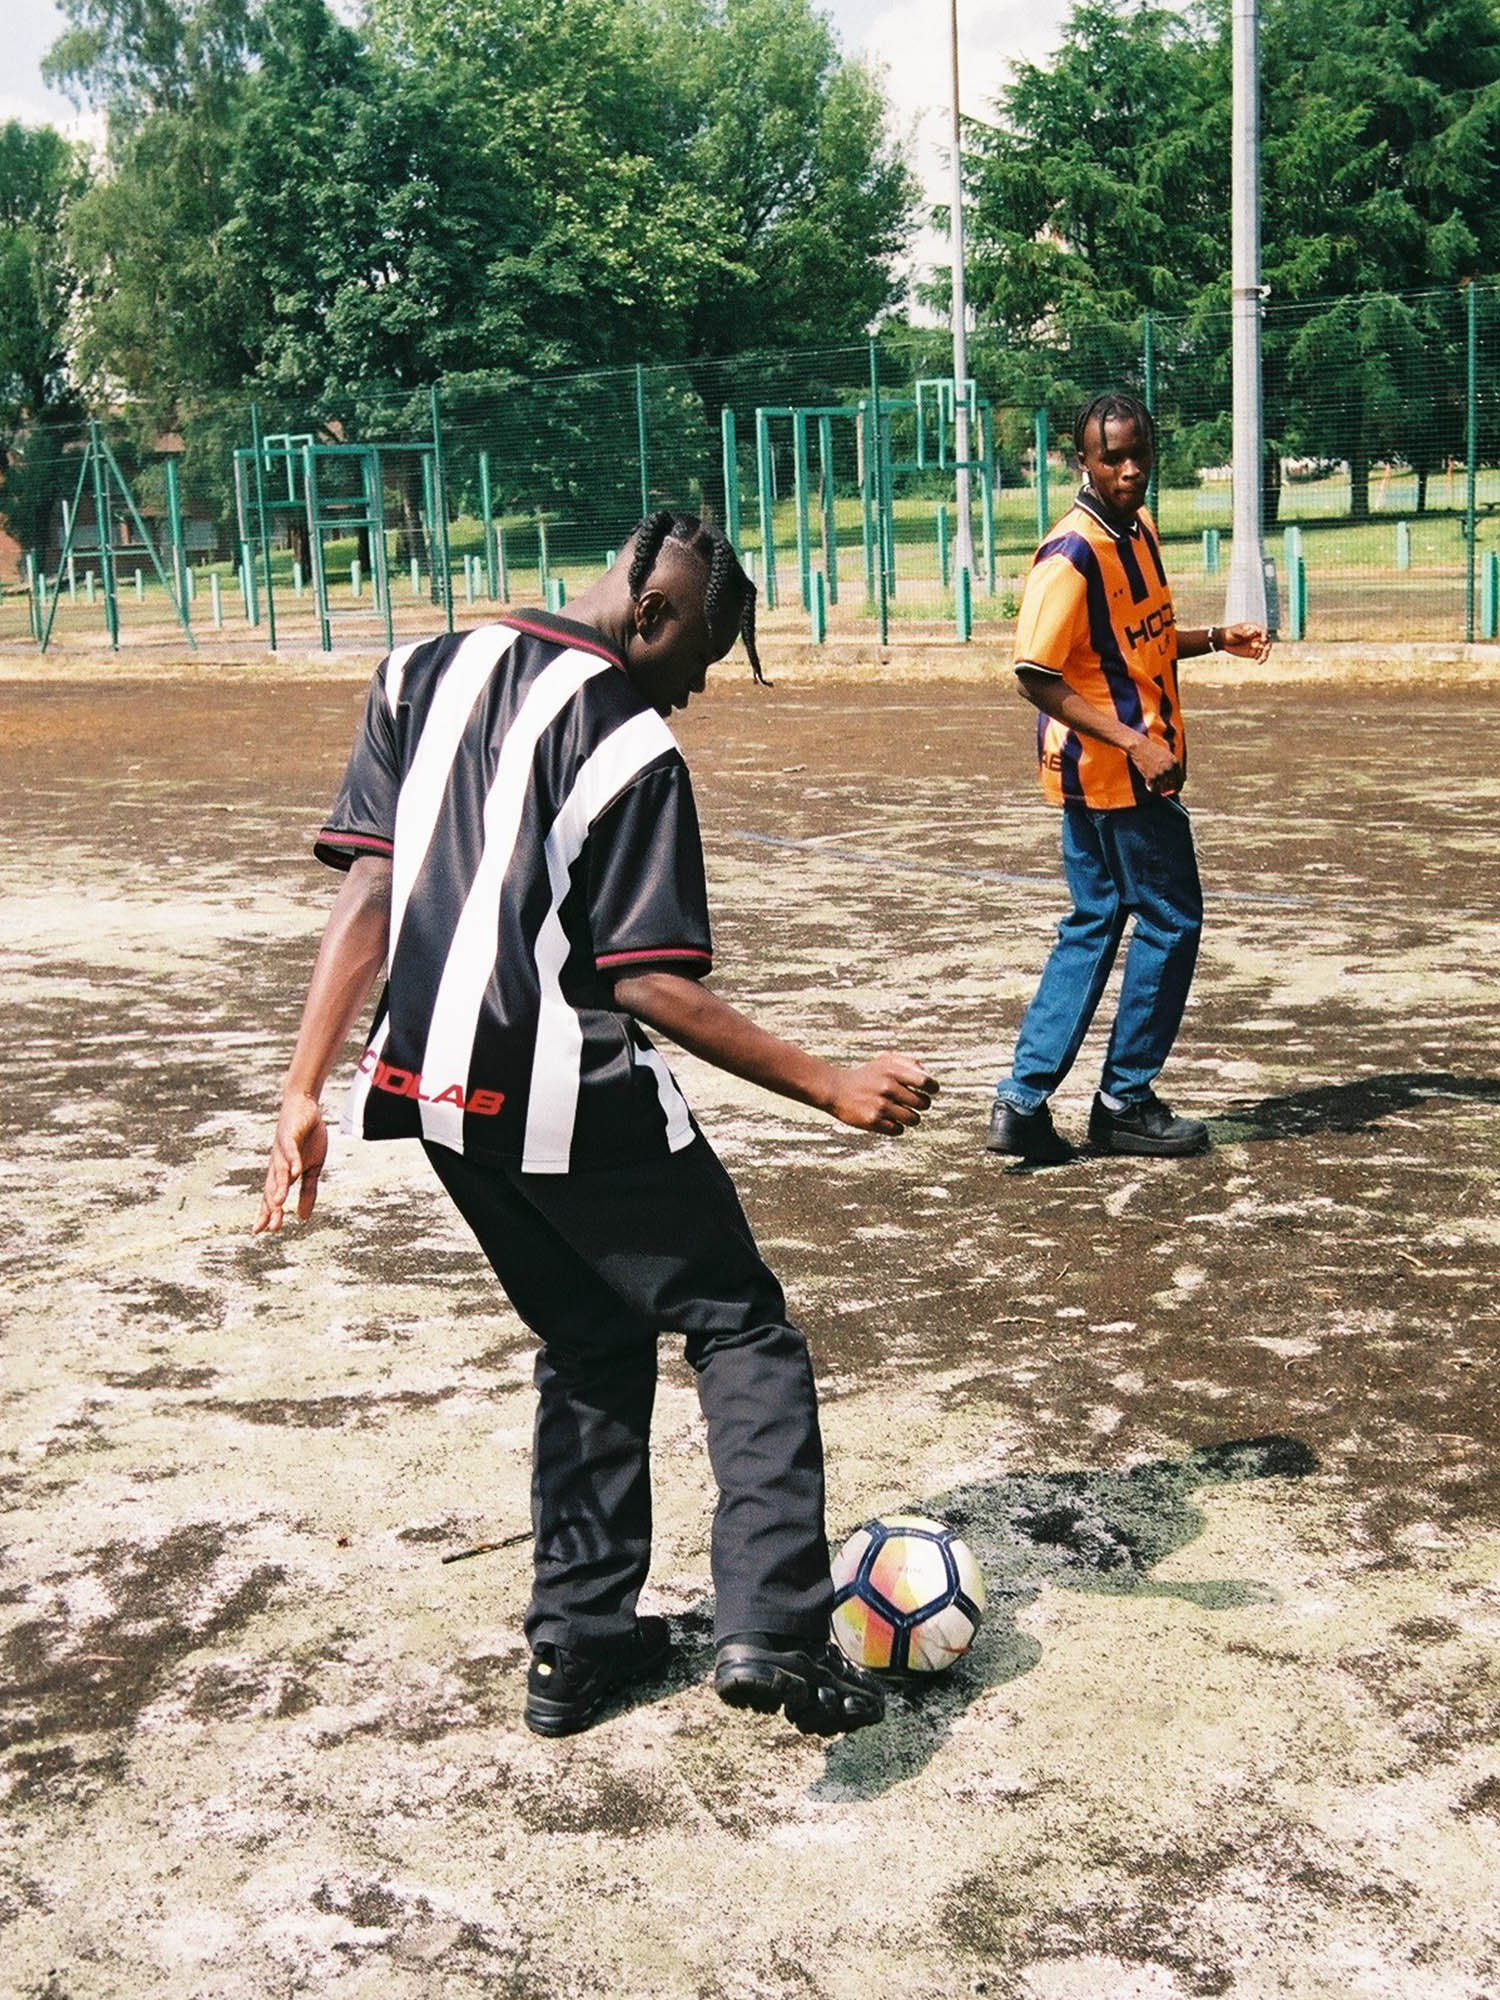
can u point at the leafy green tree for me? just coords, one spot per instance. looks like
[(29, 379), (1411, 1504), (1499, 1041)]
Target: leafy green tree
[(1103, 190), (40, 175)]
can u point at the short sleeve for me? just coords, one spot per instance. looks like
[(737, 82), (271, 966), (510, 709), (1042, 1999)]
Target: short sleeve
[(362, 819), (1053, 616), (647, 897)]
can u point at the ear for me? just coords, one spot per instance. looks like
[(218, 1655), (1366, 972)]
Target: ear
[(649, 610)]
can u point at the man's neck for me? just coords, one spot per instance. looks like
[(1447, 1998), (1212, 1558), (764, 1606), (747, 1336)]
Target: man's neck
[(1117, 522)]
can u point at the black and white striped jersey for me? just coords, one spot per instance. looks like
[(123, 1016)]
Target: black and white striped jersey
[(543, 839)]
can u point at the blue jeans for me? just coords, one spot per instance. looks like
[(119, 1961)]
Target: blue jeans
[(1137, 862)]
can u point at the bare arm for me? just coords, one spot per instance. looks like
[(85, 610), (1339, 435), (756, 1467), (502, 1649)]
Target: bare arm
[(1052, 695), (886, 1095), (351, 954)]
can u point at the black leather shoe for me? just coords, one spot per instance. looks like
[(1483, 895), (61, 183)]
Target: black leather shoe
[(1147, 1127), (810, 1679), (567, 1689), (1027, 1135)]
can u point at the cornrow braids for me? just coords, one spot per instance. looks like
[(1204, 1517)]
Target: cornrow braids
[(1114, 403), (727, 587)]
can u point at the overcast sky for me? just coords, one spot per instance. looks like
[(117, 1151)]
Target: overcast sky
[(908, 37)]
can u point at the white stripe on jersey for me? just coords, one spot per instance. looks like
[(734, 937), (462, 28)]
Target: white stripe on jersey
[(673, 1103), (470, 963), (353, 1120), (395, 670), (556, 1059), (422, 790)]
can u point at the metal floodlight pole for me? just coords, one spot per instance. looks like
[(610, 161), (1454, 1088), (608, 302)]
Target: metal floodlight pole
[(963, 551), (1245, 592)]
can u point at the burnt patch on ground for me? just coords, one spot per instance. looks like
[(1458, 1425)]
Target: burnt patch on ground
[(67, 1674)]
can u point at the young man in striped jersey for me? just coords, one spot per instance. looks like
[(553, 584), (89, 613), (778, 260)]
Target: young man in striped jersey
[(523, 861), (1097, 646)]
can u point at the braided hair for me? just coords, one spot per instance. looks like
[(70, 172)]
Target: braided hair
[(728, 586), (1123, 407)]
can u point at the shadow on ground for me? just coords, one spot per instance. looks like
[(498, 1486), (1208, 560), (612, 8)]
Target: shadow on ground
[(1093, 1531), (1357, 1106)]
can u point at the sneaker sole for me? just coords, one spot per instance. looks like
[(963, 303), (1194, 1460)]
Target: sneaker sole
[(764, 1686), (1145, 1148)]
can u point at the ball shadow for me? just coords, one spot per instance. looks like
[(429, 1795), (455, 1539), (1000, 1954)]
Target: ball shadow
[(1091, 1531)]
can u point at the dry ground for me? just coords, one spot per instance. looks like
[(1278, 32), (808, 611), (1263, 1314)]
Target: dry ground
[(1223, 1431)]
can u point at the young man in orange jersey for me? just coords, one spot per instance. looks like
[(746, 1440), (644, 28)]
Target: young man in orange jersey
[(1097, 646)]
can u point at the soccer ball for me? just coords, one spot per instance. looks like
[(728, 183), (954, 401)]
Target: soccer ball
[(907, 1596)]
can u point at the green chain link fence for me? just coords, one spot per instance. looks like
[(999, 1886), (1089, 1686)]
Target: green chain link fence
[(398, 511)]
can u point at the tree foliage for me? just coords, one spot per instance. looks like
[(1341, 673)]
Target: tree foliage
[(40, 175), (1103, 191)]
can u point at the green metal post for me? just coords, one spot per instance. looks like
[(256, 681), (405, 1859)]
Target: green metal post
[(174, 529), (942, 542), (543, 567), (963, 606), (1403, 545), (1291, 550), (486, 509), (987, 523), (502, 565), (867, 457), (1210, 551), (799, 491), (876, 452), (140, 529), (819, 609), (315, 546), (1471, 456), (65, 560), (1489, 599), (440, 496), (105, 537), (767, 504), (262, 534), (33, 596), (1043, 512), (731, 477), (640, 437), (1297, 590), (830, 517), (1148, 371), (380, 577)]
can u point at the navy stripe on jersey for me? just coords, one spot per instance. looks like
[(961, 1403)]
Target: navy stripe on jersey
[(1135, 582), (542, 830), (1153, 547)]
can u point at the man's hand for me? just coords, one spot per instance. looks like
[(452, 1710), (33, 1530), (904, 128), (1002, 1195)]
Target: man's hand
[(1249, 642), (297, 1154), (1156, 764), (887, 1095)]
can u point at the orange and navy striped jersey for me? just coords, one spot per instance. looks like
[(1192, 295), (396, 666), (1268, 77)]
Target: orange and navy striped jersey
[(1097, 611)]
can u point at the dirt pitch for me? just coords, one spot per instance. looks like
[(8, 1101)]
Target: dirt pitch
[(1223, 1432)]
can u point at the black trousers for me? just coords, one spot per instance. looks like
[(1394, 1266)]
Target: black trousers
[(599, 1264)]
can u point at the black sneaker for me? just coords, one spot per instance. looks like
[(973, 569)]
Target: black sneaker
[(1027, 1135), (567, 1689), (819, 1690), (1147, 1127)]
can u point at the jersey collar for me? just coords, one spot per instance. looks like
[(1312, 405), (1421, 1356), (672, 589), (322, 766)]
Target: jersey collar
[(1119, 525)]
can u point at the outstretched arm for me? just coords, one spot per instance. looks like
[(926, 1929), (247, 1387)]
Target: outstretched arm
[(886, 1095), (352, 952)]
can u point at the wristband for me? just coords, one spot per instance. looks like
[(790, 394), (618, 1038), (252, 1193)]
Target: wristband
[(1215, 635)]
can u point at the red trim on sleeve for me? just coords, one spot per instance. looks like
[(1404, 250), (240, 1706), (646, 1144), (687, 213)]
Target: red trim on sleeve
[(373, 843), (611, 959)]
